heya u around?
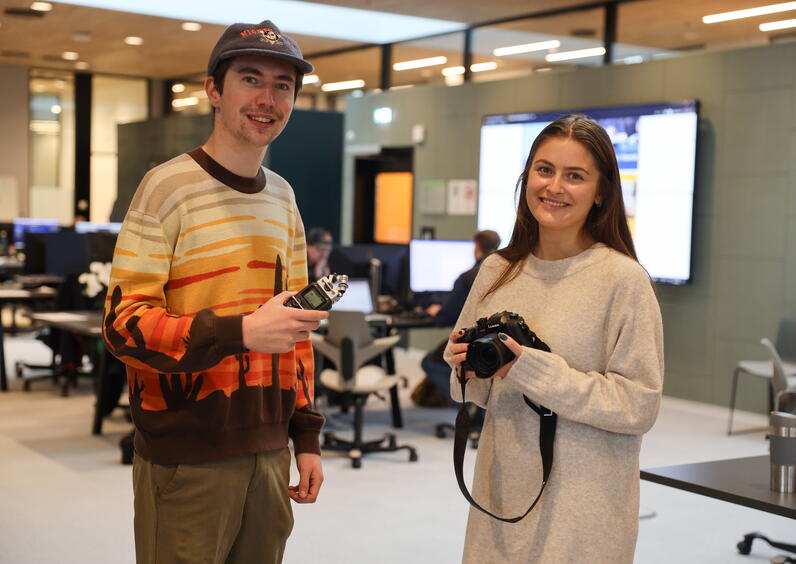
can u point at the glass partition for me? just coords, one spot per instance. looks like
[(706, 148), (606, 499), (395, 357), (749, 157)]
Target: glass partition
[(428, 61), (113, 101), (52, 144), (530, 45)]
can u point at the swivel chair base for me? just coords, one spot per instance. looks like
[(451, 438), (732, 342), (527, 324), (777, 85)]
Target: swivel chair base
[(358, 449), (745, 547)]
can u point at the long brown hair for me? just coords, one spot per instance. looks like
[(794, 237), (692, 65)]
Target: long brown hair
[(605, 223)]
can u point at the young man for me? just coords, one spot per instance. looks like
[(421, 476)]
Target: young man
[(220, 371)]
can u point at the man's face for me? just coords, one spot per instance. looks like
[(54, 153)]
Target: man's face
[(257, 100)]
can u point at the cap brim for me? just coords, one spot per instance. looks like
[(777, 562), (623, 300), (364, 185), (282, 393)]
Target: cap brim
[(303, 66)]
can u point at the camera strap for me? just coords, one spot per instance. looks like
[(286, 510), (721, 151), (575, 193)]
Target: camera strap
[(547, 434)]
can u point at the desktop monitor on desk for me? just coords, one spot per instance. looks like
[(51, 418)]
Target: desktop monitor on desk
[(435, 265), (355, 261), (23, 225), (94, 227), (357, 297)]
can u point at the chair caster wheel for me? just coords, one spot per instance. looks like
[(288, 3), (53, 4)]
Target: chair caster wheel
[(356, 463), (26, 386), (391, 441), (412, 455), (440, 433)]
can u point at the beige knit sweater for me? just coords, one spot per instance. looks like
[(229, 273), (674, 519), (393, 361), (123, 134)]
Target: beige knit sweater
[(598, 313)]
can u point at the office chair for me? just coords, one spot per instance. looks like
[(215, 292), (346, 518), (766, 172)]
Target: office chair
[(350, 345), (67, 349), (763, 369), (782, 384)]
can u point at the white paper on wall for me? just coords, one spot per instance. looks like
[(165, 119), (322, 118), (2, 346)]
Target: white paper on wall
[(462, 197)]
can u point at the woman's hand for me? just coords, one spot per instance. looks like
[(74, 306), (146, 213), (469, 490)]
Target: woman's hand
[(514, 347), (456, 353)]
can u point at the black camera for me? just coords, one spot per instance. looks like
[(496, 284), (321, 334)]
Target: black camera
[(486, 353)]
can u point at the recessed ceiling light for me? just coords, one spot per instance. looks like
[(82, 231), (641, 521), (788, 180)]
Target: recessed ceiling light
[(526, 48), (310, 79), (41, 6), (82, 36), (343, 85), (577, 54), (772, 26), (177, 88), (481, 67), (452, 71), (70, 56), (749, 12), (191, 26), (133, 40), (420, 63), (81, 65), (56, 109), (184, 102)]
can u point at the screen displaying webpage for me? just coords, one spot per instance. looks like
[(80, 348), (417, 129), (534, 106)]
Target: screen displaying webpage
[(655, 146)]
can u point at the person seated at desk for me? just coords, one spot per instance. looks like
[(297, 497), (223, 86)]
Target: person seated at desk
[(319, 245), (445, 315)]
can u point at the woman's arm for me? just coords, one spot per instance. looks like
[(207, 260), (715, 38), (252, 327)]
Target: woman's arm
[(623, 399)]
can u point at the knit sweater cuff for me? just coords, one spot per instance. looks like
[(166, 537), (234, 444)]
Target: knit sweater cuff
[(229, 334), (532, 372)]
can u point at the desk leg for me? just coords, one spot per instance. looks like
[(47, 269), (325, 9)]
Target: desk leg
[(102, 377), (397, 419), (3, 376)]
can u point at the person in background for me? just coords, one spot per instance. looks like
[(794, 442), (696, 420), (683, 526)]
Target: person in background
[(319, 245), (220, 371), (570, 270), (445, 315)]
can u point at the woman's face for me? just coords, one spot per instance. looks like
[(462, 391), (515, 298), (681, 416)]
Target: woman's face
[(562, 186)]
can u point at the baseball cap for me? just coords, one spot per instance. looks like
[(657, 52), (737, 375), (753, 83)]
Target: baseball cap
[(262, 39)]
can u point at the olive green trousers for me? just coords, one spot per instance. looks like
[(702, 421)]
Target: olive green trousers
[(234, 511)]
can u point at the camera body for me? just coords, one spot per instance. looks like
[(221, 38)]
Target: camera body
[(486, 353)]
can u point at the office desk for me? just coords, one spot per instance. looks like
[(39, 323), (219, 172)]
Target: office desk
[(14, 296), (87, 324), (743, 481)]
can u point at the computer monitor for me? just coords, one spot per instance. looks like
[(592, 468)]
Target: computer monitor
[(24, 225), (435, 265), (357, 297), (94, 227)]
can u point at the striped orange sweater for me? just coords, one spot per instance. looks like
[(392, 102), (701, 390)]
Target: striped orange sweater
[(199, 248)]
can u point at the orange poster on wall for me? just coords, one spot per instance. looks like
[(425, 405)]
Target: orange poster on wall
[(393, 207)]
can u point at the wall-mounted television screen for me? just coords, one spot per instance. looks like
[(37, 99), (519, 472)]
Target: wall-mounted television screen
[(655, 146)]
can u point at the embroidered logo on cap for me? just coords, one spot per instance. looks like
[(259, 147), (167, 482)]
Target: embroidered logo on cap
[(265, 33)]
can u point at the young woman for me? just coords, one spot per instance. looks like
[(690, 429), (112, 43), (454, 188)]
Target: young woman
[(570, 271)]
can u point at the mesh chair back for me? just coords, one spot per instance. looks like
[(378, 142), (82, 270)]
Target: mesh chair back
[(350, 324), (786, 339)]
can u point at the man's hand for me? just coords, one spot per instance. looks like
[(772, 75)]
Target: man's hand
[(310, 478), (275, 328)]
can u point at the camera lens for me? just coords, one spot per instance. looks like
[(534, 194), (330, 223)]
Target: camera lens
[(487, 354)]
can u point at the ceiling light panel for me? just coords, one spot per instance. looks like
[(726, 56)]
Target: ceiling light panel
[(420, 63), (527, 48), (773, 26), (749, 12), (291, 16), (577, 54)]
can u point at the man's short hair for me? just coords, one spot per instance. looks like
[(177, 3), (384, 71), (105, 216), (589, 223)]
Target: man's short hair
[(318, 235), (487, 241)]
